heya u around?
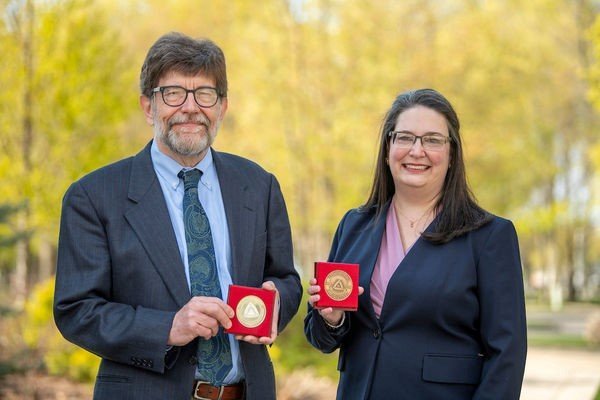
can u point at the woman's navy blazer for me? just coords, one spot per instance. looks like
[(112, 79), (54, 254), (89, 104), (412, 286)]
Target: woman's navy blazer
[(452, 324)]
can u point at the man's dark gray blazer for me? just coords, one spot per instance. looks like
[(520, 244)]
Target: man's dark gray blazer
[(120, 278)]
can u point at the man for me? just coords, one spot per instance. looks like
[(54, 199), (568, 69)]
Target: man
[(136, 255)]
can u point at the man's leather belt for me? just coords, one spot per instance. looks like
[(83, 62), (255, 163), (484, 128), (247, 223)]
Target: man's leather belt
[(206, 391)]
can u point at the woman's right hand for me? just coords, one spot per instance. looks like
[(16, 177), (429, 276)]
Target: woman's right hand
[(332, 316)]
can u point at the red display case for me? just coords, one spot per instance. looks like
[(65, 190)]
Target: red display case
[(339, 285), (253, 309)]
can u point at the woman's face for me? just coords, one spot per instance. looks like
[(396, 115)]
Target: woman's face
[(415, 168)]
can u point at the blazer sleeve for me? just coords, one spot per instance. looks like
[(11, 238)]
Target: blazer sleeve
[(502, 314), (316, 331), (279, 261), (83, 311)]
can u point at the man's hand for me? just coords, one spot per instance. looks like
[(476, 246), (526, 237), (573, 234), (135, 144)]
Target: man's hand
[(266, 339), (201, 316)]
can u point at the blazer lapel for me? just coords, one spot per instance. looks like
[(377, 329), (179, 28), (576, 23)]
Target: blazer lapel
[(149, 218), (240, 216), (411, 258), (373, 243)]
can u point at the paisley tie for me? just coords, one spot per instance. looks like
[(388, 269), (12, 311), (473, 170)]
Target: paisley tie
[(214, 355)]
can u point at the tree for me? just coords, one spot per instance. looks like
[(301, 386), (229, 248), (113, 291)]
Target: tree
[(65, 90), (310, 82), (8, 234)]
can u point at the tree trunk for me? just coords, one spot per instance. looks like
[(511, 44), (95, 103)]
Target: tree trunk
[(19, 281), (22, 257), (46, 260)]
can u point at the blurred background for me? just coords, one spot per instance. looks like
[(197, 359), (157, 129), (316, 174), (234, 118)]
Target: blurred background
[(310, 81)]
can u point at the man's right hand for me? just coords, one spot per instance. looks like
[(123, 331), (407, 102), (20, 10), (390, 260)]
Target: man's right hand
[(201, 316)]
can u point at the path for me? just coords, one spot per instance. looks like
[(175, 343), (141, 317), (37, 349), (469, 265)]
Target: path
[(557, 374)]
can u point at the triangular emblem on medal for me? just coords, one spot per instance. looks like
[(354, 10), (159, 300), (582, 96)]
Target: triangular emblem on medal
[(251, 311)]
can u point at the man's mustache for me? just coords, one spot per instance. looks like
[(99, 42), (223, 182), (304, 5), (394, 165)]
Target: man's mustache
[(199, 119)]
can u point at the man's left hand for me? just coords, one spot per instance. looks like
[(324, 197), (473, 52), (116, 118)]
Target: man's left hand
[(265, 339)]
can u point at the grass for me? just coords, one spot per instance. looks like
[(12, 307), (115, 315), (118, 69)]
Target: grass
[(547, 328), (558, 340)]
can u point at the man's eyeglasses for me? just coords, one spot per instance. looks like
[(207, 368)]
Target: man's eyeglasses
[(430, 141), (175, 96)]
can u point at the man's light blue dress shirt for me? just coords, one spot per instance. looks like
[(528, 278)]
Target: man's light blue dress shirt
[(209, 193)]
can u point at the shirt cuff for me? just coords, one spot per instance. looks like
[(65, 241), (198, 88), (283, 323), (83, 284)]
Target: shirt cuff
[(338, 326)]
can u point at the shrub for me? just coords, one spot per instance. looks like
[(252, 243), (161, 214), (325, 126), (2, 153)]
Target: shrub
[(292, 351), (40, 333)]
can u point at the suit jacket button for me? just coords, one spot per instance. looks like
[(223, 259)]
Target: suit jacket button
[(376, 333), (193, 360)]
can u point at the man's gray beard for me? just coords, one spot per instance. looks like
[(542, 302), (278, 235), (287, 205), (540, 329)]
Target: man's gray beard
[(184, 148)]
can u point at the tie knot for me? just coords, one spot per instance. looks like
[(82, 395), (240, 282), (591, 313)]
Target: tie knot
[(190, 178)]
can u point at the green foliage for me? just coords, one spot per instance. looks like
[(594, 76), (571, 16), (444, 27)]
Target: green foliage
[(80, 80), (594, 70), (8, 233), (39, 333), (292, 350), (594, 90), (308, 90), (559, 341), (38, 316), (310, 107), (73, 362)]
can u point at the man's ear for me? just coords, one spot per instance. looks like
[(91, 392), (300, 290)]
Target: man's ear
[(146, 105), (224, 105)]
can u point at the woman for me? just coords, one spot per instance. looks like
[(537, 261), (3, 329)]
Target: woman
[(443, 313)]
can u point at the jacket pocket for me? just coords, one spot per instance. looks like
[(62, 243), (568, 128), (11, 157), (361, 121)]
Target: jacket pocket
[(449, 368)]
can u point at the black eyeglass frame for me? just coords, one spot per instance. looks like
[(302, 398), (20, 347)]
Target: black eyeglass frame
[(162, 89), (393, 134)]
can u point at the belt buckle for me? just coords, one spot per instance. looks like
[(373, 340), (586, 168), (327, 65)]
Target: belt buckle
[(221, 389)]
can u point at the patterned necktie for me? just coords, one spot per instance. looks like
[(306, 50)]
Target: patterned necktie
[(214, 355)]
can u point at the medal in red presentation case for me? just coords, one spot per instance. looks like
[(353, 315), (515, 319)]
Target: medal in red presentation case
[(253, 309), (339, 285)]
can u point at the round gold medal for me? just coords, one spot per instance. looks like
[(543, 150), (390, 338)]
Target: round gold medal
[(251, 311), (338, 285)]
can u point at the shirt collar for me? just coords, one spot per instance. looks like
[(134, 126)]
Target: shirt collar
[(168, 168)]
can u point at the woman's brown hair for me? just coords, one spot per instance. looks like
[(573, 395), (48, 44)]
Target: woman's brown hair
[(457, 209)]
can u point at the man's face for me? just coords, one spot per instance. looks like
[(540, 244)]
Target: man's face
[(184, 133)]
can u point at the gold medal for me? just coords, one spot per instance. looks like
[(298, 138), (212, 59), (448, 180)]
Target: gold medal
[(251, 311), (338, 285)]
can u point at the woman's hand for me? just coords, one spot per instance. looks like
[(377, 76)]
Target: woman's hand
[(330, 315)]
